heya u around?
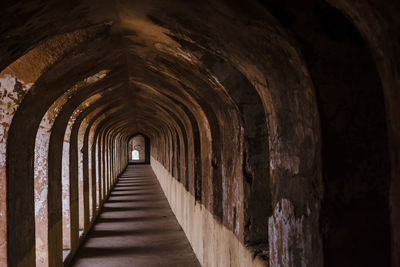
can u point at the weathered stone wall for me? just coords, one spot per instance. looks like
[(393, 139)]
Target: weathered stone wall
[(356, 143), (268, 121)]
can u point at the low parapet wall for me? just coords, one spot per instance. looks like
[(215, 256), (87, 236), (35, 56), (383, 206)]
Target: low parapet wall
[(213, 243)]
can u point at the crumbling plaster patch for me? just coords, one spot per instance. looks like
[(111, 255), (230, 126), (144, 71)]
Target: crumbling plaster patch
[(289, 238), (12, 92)]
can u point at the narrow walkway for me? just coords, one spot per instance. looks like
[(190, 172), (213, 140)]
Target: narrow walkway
[(136, 227)]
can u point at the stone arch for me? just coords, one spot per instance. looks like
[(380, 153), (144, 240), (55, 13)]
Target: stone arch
[(281, 105), (353, 131), (21, 109), (16, 80), (144, 148), (191, 82), (378, 25)]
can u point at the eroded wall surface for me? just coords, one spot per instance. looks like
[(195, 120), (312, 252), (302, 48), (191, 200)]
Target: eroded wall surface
[(269, 118)]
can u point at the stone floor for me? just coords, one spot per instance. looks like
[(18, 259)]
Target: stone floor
[(136, 227)]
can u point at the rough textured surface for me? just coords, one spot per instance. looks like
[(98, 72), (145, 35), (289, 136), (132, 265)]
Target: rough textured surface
[(136, 227), (355, 152), (279, 118), (287, 232)]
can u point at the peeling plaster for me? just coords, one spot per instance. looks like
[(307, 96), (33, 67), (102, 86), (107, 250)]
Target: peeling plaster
[(41, 172), (97, 77), (289, 242), (41, 176), (12, 92)]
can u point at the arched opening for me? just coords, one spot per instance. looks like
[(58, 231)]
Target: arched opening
[(135, 155), (139, 149), (230, 103), (354, 219), (355, 212)]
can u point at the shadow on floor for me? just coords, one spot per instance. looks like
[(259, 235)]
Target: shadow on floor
[(136, 227)]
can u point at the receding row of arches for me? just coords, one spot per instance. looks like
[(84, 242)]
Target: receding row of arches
[(279, 119)]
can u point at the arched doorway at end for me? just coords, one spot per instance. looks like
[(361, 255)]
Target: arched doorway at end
[(139, 149)]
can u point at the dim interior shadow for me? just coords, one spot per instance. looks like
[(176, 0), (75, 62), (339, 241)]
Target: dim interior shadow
[(133, 194), (103, 252), (135, 182), (137, 232), (132, 219), (135, 200), (141, 208), (128, 189), (136, 175), (133, 185), (138, 163)]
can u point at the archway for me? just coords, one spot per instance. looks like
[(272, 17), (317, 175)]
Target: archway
[(354, 219), (230, 107), (135, 155), (139, 149)]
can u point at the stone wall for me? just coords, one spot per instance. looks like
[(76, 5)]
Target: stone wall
[(213, 244), (274, 119)]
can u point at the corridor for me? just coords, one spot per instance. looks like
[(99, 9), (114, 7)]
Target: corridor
[(264, 133), (136, 227)]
